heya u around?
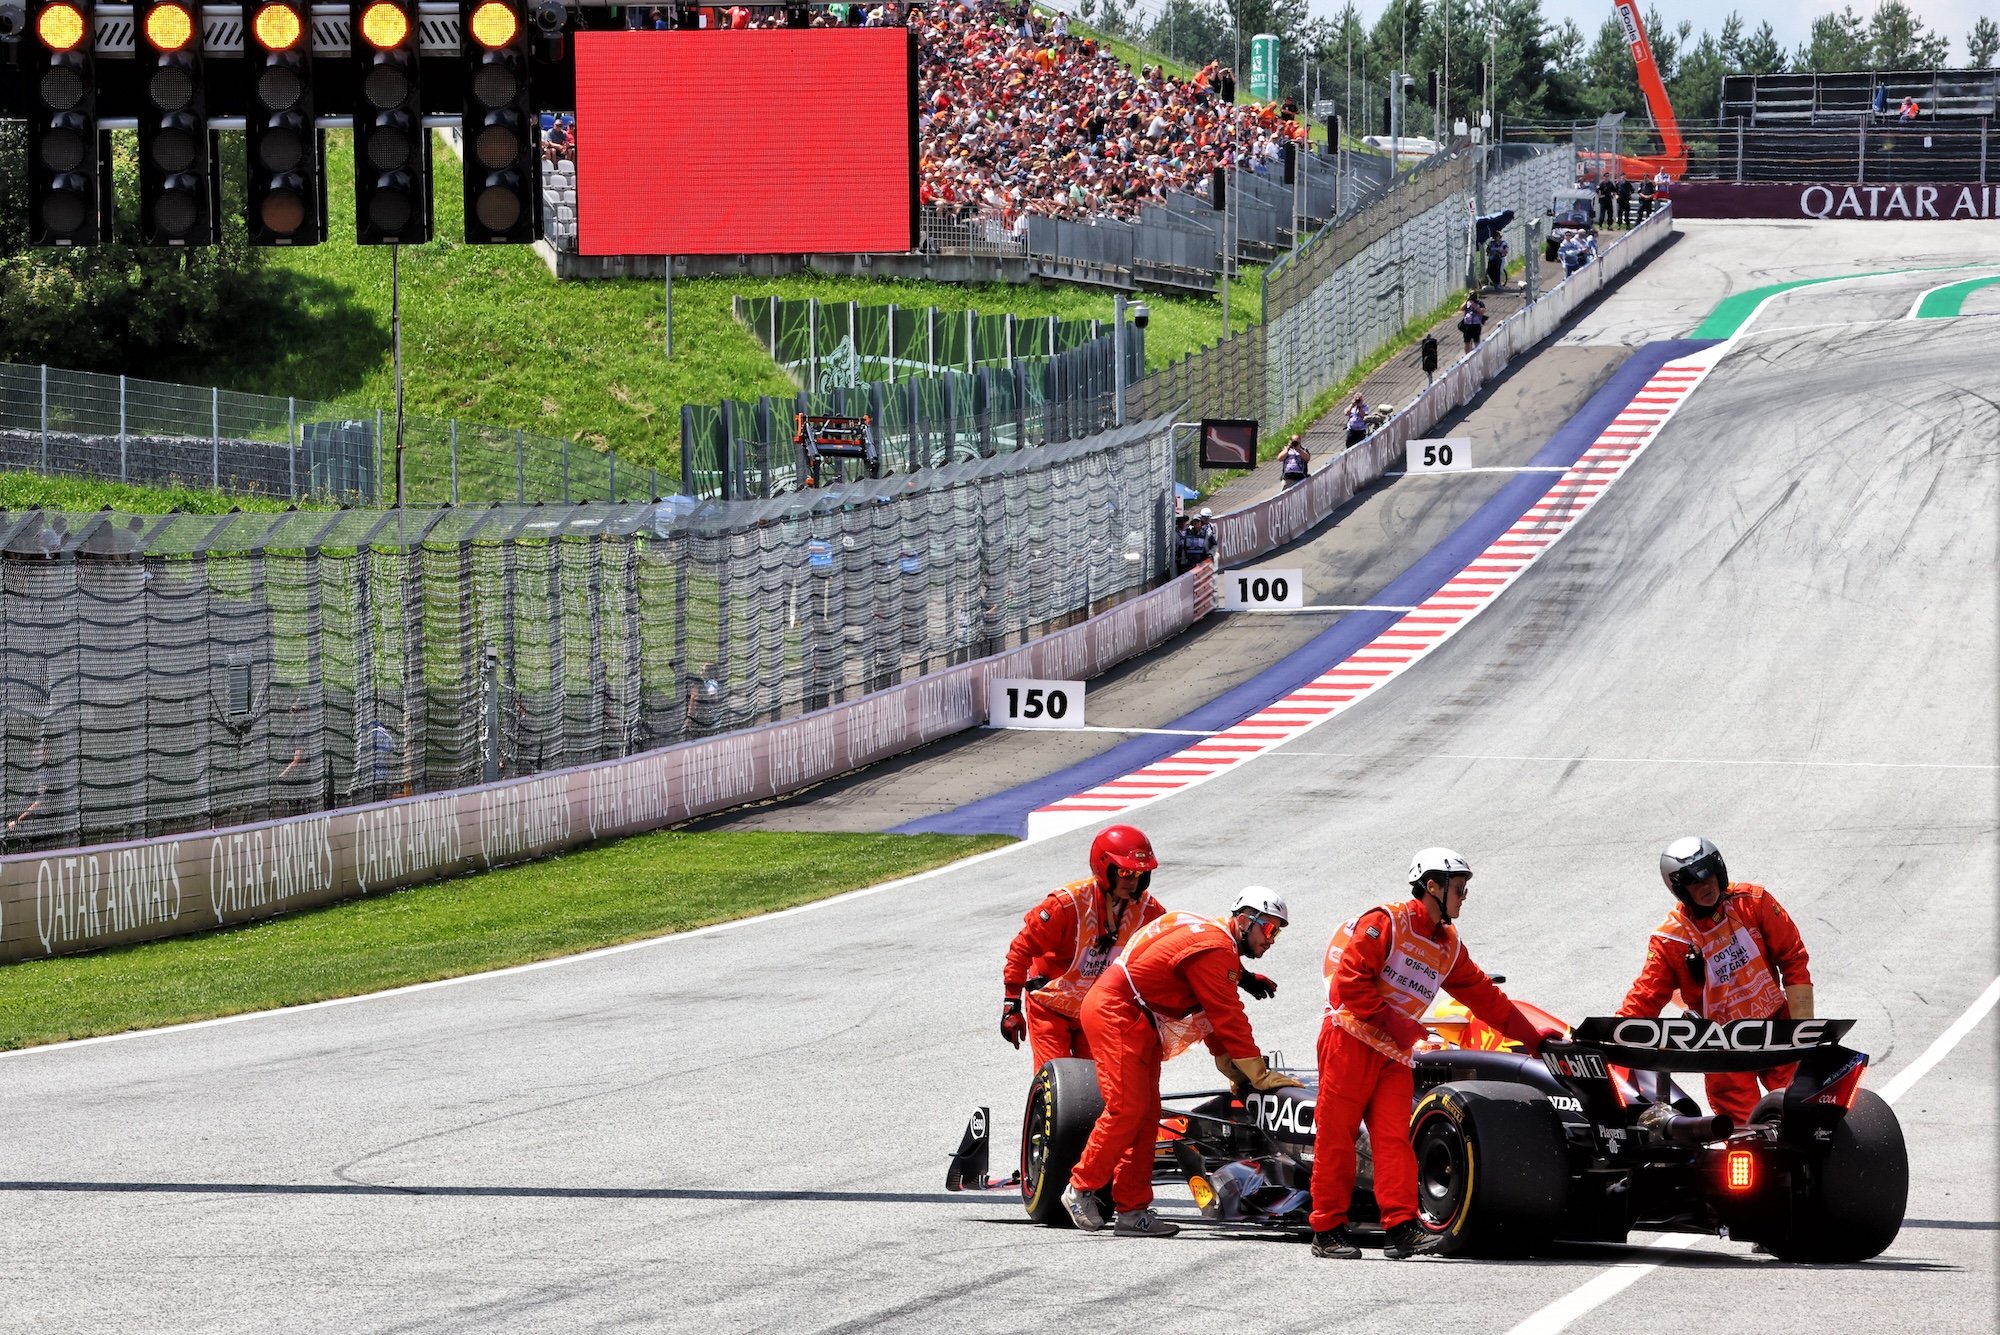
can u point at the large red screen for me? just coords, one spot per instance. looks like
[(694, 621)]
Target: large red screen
[(764, 141)]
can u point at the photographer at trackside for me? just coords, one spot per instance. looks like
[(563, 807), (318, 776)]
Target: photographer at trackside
[(1066, 941), (1383, 969), (1729, 951), (1175, 984)]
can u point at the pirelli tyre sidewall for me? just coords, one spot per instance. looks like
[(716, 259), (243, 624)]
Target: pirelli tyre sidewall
[(1063, 1104), (1492, 1173), (1847, 1204)]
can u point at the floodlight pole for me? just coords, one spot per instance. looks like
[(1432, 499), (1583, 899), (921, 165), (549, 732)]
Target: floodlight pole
[(396, 354)]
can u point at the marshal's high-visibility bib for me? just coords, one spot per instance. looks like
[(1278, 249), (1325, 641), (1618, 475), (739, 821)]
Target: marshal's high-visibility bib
[(1172, 938), (1064, 994), (1738, 982), (1413, 969)]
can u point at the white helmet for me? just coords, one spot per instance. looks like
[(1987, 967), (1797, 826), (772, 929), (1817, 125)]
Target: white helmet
[(1258, 899), (1436, 862), (1207, 513)]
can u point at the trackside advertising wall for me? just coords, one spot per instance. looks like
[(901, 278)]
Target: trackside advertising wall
[(1247, 534), (1907, 202), (83, 899)]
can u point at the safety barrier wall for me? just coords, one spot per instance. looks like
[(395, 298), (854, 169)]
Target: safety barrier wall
[(85, 899), (1245, 535)]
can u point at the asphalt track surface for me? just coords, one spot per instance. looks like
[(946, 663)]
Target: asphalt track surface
[(1778, 628)]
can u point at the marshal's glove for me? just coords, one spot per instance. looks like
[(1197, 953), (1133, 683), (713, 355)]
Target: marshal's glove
[(1237, 1086), (1259, 1076), (1257, 985), (1013, 1024)]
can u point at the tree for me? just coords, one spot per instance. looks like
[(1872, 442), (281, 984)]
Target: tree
[(111, 307), (1898, 40), (1982, 42), (1837, 42), (1759, 53)]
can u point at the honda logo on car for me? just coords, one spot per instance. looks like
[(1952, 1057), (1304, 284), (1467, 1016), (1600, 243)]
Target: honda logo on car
[(1691, 1035), (1273, 1114)]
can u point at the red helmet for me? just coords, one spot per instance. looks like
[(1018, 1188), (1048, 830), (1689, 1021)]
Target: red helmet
[(1124, 847)]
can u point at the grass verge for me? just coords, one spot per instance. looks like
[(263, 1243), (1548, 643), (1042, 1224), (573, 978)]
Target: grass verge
[(623, 891), (26, 491), (489, 336)]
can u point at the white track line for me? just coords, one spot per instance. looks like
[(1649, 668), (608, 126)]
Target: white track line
[(1643, 760), (1558, 1315)]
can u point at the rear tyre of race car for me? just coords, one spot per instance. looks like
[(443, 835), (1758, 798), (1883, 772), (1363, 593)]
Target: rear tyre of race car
[(1848, 1206), (1492, 1175), (1063, 1105)]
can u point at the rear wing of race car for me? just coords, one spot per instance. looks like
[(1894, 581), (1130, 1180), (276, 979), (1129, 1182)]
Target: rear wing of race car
[(1691, 1043)]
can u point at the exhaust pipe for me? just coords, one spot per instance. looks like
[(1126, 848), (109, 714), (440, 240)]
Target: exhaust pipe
[(1665, 1124)]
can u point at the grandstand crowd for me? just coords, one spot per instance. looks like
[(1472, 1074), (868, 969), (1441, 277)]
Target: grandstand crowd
[(1018, 116)]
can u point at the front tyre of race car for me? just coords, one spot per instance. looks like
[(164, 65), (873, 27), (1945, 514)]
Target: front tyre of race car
[(1847, 1204), (1492, 1175), (1063, 1105)]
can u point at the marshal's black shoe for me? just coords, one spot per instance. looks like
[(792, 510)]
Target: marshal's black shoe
[(1334, 1244), (1408, 1239)]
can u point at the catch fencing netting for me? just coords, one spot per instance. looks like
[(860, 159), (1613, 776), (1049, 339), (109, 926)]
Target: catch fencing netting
[(170, 673)]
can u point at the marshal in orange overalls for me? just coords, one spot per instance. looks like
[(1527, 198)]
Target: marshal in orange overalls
[(1068, 938), (1383, 969), (1179, 968), (1750, 951)]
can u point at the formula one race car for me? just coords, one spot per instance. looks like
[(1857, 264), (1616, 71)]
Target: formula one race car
[(1587, 1143)]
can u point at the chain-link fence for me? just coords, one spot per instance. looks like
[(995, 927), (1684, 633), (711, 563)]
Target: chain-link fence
[(1015, 393), (122, 429), (1355, 286), (160, 674), (837, 344)]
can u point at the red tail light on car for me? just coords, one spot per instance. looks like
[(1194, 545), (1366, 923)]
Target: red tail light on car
[(1742, 1170)]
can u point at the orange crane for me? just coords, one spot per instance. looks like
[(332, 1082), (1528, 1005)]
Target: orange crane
[(1672, 157)]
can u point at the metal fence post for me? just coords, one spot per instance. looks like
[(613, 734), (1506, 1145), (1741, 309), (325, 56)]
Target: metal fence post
[(454, 461), (45, 418), (292, 447), (930, 340), (656, 478), (375, 472), (565, 472), (520, 469), (121, 428), (614, 476), (1861, 149), (1739, 148), (892, 340), (1010, 336), (215, 438), (774, 328), (812, 344), (970, 325)]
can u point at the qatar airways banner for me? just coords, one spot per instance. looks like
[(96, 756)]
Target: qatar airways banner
[(1910, 201), (87, 898)]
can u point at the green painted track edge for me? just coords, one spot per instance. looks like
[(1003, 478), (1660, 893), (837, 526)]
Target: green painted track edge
[(1945, 302)]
